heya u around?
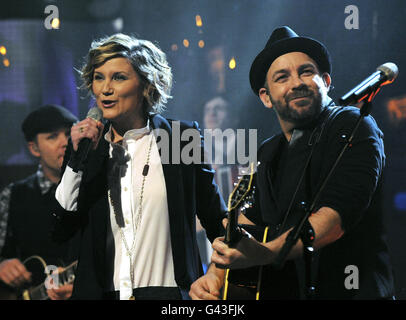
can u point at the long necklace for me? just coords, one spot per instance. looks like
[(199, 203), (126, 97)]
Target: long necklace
[(135, 224)]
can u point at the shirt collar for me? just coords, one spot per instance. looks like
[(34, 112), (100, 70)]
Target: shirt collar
[(44, 183), (133, 134)]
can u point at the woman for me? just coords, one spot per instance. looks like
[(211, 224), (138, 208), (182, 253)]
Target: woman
[(135, 212)]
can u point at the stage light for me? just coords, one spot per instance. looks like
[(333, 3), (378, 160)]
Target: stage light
[(174, 47), (232, 64), (6, 62), (199, 21), (201, 44), (400, 201), (55, 23), (3, 50), (186, 43), (118, 24)]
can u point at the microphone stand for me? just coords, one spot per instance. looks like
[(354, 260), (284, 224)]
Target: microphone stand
[(304, 229)]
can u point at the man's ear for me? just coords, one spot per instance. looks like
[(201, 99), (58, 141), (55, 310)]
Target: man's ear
[(265, 98), (327, 80), (33, 148)]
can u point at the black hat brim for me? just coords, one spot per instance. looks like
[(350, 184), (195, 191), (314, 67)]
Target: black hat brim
[(313, 48)]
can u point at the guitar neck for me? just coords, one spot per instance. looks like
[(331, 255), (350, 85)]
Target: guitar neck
[(233, 234)]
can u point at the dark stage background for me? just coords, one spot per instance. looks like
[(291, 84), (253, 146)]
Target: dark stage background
[(37, 66)]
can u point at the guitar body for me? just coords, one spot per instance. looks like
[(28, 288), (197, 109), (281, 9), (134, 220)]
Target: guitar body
[(37, 288), (36, 268), (261, 282), (274, 284)]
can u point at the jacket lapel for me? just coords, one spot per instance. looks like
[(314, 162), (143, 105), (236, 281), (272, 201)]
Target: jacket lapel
[(95, 184), (174, 185)]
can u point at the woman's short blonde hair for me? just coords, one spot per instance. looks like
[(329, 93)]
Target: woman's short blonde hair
[(147, 59)]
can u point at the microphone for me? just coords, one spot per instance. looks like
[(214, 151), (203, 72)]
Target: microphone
[(384, 75), (85, 144)]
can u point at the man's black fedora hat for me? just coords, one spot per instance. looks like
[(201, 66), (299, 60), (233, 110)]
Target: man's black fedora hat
[(284, 40)]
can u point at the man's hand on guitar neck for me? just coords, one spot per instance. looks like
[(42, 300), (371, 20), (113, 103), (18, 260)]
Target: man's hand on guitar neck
[(14, 273), (62, 292), (248, 252)]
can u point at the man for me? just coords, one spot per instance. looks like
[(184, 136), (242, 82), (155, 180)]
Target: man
[(292, 76), (26, 206)]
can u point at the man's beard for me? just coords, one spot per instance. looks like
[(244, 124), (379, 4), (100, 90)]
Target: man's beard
[(300, 115)]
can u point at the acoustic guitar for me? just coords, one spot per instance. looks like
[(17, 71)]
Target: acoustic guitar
[(39, 291)]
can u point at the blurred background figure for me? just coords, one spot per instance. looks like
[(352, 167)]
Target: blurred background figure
[(220, 120)]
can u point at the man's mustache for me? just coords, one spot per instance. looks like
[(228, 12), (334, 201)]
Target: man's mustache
[(298, 94)]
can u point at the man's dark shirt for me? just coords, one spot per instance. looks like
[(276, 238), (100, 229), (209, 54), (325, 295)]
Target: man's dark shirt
[(354, 191)]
